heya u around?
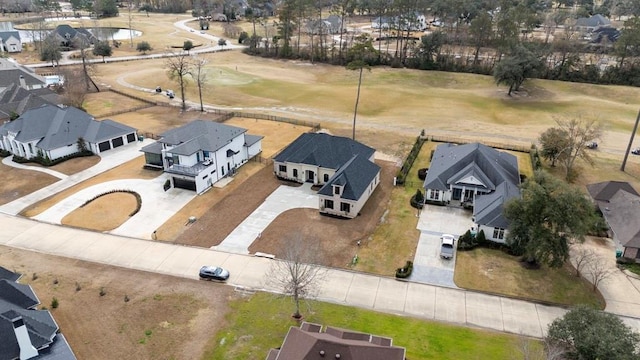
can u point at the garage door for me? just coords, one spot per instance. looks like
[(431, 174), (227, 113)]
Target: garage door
[(104, 146), (184, 184), (117, 142)]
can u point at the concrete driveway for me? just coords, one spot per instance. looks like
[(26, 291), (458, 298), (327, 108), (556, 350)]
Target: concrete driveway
[(428, 266)]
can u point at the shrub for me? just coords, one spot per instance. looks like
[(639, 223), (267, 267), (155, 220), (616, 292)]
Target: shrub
[(405, 272), (481, 239), (4, 153), (243, 36), (625, 261), (103, 292), (78, 288), (417, 200), (138, 199), (54, 303), (126, 298), (34, 276), (422, 173)]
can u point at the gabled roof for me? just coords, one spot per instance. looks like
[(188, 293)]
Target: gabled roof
[(10, 73), (453, 162), (310, 343), (8, 274), (604, 191), (15, 303), (5, 35), (55, 127), (323, 150), (593, 21), (69, 33), (354, 176), (200, 135), (18, 100), (488, 208), (621, 212)]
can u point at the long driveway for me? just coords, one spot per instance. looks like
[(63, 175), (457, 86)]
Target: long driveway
[(342, 287)]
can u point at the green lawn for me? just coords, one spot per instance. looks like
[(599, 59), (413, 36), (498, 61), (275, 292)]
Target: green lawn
[(259, 322), (497, 272), (634, 268)]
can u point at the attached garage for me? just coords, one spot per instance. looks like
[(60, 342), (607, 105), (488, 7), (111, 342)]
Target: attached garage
[(184, 184), (117, 142), (104, 146)]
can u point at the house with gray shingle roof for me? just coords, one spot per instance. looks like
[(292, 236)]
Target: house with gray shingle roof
[(10, 42), (15, 100), (54, 132), (309, 342), (12, 73), (343, 167), (25, 332), (591, 23), (199, 154), (69, 37), (474, 174), (619, 204)]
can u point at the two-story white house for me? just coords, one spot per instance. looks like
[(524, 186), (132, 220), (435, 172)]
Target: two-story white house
[(202, 152), (478, 175), (343, 167)]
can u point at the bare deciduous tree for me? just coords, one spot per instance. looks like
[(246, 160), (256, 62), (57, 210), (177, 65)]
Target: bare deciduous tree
[(296, 275), (178, 66), (75, 86), (581, 258), (199, 74), (599, 271), (580, 132)]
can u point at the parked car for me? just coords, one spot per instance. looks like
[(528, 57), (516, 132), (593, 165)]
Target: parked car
[(636, 151), (447, 243), (592, 145), (171, 94), (214, 273)]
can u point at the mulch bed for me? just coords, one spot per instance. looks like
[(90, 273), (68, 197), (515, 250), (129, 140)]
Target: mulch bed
[(337, 237)]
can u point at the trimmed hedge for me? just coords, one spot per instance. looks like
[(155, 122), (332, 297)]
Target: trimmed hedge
[(4, 153), (408, 162), (138, 199), (45, 161), (417, 200), (405, 272)]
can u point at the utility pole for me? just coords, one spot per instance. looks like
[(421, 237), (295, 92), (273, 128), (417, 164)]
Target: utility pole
[(633, 134)]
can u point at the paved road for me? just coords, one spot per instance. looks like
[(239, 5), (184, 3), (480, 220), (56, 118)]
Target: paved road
[(342, 287)]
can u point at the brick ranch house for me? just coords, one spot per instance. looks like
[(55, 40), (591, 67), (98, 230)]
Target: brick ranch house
[(475, 174), (343, 167), (199, 154)]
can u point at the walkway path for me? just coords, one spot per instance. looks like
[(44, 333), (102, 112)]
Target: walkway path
[(108, 160), (282, 199), (342, 287), (8, 161)]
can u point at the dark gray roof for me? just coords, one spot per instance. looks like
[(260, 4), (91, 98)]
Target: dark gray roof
[(604, 191), (200, 135), (323, 150), (621, 212), (18, 294), (55, 127), (355, 176), (10, 73), (15, 302), (72, 34), (451, 163), (5, 35), (8, 274), (251, 139), (18, 100), (153, 148), (301, 343), (488, 208), (593, 21)]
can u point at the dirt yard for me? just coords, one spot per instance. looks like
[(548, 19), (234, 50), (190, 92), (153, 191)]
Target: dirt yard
[(337, 236), (165, 318), (110, 217)]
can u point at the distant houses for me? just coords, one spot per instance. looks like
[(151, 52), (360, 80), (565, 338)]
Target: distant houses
[(344, 169), (73, 38), (199, 154), (10, 41)]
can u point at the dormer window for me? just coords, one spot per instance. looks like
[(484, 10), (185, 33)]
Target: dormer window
[(336, 190)]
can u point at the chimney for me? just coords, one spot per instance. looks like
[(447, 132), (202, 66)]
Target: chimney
[(27, 351), (23, 84)]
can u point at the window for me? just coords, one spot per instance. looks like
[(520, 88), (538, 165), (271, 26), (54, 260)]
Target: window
[(498, 233), (204, 177), (346, 207), (434, 195), (328, 204), (295, 173), (326, 177), (336, 190), (282, 168)]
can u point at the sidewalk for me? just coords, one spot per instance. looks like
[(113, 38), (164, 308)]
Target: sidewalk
[(8, 161), (342, 287)]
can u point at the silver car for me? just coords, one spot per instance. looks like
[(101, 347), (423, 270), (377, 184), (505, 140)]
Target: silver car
[(447, 244)]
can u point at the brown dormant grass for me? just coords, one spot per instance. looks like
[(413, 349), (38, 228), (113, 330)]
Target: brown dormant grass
[(17, 183), (101, 214)]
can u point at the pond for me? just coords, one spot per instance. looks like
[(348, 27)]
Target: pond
[(102, 33)]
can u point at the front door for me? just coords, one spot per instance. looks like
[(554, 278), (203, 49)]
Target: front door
[(457, 194), (310, 176)]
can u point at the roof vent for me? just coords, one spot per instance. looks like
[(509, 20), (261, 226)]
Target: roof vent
[(321, 353), (337, 356)]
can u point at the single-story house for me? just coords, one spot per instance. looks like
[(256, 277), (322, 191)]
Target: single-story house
[(202, 152), (619, 203), (54, 132), (478, 175), (343, 167), (16, 100), (25, 332), (309, 342), (69, 37), (591, 23), (10, 42), (330, 25)]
